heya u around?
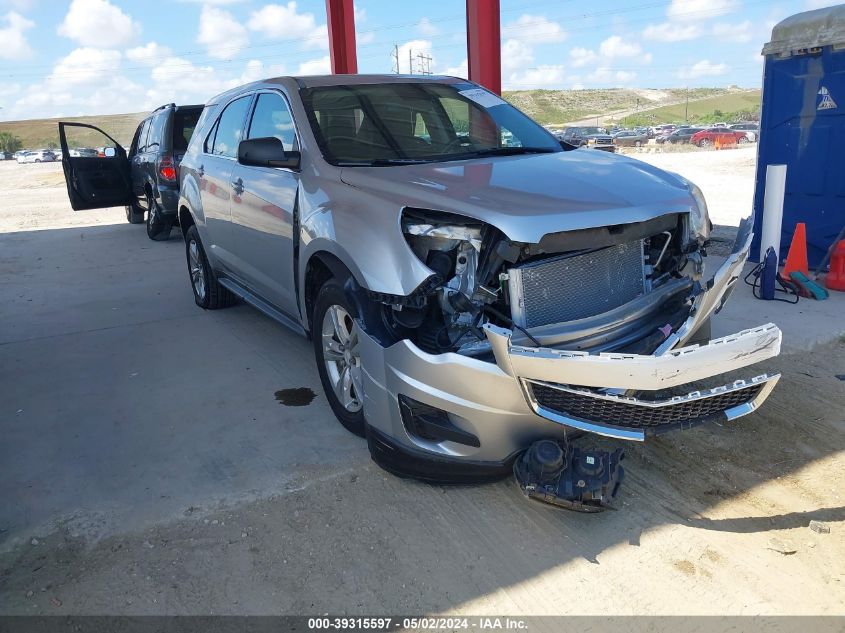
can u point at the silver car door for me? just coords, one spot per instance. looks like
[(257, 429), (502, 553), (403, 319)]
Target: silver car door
[(220, 150), (263, 207)]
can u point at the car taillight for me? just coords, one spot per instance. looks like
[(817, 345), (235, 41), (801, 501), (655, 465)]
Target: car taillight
[(167, 168)]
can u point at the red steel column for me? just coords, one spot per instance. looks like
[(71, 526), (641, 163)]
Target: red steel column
[(341, 21), (484, 47)]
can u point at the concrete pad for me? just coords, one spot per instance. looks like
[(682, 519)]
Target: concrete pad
[(123, 402)]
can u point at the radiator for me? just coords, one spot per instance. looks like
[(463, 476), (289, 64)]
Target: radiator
[(570, 287)]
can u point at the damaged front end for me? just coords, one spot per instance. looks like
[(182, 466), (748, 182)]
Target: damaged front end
[(599, 329)]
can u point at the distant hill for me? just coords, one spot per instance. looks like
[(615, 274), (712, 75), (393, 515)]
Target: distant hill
[(38, 133), (559, 107)]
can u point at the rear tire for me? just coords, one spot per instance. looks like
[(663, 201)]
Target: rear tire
[(208, 293), (134, 213), (336, 339), (158, 225)]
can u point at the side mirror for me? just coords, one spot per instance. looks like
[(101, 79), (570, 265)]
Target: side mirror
[(266, 152)]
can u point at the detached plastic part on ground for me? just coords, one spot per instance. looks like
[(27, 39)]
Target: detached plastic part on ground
[(567, 476)]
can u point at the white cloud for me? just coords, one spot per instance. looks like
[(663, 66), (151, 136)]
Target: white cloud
[(86, 81), (321, 66), (414, 49), (544, 76), (426, 28), (698, 9), (150, 54), (515, 55), (9, 90), (608, 76), (818, 4), (704, 68), (534, 28), (83, 66), (582, 56), (13, 44), (220, 33), (213, 2), (611, 49), (733, 32), (461, 70), (98, 23), (615, 47), (672, 32), (282, 22)]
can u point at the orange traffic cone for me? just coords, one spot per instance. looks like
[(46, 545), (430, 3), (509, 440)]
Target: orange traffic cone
[(796, 259)]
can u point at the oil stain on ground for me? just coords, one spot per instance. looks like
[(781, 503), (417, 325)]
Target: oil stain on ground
[(296, 397)]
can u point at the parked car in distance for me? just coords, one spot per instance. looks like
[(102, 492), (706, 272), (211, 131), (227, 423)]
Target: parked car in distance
[(57, 154), (464, 297), (752, 130), (630, 138), (76, 152), (20, 152), (681, 136), (37, 156), (592, 137), (714, 136), (6, 156), (152, 164)]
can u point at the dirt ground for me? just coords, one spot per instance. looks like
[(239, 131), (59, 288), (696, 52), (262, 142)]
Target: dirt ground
[(255, 508)]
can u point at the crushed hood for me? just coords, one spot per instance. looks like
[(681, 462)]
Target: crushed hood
[(531, 195)]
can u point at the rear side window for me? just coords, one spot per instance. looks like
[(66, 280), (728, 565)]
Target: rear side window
[(272, 118), (155, 139), (229, 128), (142, 136), (184, 122)]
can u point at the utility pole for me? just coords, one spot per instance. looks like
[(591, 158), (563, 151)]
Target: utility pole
[(396, 56), (410, 61), (425, 64), (686, 109)]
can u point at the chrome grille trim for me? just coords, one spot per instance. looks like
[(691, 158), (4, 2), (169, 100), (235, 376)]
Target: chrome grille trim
[(728, 403)]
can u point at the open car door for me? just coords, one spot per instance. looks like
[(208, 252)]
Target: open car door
[(96, 168)]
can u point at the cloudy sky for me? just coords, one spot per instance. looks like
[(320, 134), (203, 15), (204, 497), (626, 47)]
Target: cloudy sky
[(73, 57)]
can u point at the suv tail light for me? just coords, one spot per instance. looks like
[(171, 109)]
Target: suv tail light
[(167, 168)]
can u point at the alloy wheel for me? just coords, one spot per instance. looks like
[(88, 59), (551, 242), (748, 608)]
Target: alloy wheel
[(197, 269), (342, 358)]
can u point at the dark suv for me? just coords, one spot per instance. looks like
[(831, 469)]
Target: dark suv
[(150, 168), (593, 137)]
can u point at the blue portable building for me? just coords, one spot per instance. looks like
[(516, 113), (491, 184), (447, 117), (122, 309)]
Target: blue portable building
[(802, 125)]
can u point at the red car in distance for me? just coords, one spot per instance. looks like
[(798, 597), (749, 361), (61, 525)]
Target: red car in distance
[(718, 136)]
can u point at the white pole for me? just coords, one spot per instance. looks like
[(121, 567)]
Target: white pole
[(773, 209)]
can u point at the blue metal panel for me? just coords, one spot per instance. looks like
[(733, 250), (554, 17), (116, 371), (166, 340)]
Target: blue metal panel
[(798, 130)]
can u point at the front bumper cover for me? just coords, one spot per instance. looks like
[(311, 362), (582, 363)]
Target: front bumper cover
[(496, 401)]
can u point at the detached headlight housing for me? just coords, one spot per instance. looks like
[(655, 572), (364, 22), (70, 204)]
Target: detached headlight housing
[(699, 218)]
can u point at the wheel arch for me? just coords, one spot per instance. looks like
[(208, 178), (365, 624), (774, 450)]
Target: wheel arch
[(320, 266)]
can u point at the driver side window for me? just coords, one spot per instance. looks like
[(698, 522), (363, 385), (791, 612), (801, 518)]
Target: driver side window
[(228, 131)]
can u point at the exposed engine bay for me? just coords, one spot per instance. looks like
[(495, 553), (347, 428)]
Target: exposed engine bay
[(561, 292)]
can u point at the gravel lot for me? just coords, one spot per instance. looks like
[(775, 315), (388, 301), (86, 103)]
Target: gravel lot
[(147, 468)]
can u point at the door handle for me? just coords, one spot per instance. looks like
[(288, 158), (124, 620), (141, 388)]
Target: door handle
[(238, 186), (201, 171)]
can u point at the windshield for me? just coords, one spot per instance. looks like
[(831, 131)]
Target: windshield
[(592, 130), (396, 123)]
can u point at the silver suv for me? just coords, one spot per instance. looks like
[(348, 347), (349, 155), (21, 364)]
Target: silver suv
[(470, 285)]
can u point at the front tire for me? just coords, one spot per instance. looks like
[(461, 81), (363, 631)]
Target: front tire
[(336, 338), (705, 142), (158, 225), (208, 293)]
